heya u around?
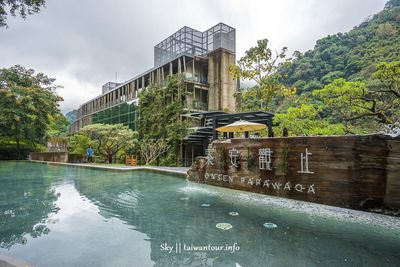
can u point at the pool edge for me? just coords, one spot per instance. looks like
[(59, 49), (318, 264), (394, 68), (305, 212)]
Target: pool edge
[(157, 169)]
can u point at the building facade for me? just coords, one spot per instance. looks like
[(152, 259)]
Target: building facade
[(202, 58)]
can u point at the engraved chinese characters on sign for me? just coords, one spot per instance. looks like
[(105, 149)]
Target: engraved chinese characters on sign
[(264, 159), (210, 156), (304, 162), (234, 155)]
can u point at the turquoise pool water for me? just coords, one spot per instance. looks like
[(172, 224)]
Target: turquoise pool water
[(69, 216)]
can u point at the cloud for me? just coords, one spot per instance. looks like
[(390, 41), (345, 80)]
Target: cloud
[(83, 43)]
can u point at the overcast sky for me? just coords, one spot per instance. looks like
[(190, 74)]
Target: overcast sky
[(82, 43)]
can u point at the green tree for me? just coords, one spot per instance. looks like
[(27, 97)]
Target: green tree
[(347, 102), (351, 102), (109, 139), (21, 7), (262, 66), (27, 103), (305, 120), (164, 123), (392, 3), (389, 76), (386, 30), (78, 143), (345, 107), (58, 125)]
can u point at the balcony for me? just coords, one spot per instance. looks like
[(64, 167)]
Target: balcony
[(196, 105), (189, 77)]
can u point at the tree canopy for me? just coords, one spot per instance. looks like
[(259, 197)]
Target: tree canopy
[(346, 107), (351, 101), (262, 66), (107, 139), (28, 105), (349, 82), (305, 120), (21, 7)]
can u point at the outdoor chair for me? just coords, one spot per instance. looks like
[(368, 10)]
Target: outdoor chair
[(131, 160)]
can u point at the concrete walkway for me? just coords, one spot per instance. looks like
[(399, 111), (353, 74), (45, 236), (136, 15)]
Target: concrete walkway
[(181, 171)]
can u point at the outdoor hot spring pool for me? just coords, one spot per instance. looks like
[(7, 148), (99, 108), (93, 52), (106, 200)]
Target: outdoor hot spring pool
[(53, 215)]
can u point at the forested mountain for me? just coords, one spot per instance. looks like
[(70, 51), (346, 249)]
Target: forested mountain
[(352, 55), (71, 116)]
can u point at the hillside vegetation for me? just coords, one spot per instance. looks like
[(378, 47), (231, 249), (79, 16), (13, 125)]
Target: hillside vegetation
[(348, 84), (352, 55)]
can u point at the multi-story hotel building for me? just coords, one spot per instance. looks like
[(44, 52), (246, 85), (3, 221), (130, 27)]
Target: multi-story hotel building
[(202, 58)]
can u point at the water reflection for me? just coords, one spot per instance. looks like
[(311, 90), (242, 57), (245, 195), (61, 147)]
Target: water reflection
[(84, 217), (157, 206), (27, 199)]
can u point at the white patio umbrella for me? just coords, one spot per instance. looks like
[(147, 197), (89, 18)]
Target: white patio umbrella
[(242, 126)]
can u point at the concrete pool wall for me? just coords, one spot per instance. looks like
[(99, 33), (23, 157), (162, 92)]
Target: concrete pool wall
[(57, 157), (357, 172), (176, 171)]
